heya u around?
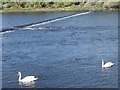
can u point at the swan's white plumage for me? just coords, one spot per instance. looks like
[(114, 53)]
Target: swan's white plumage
[(106, 65), (27, 78)]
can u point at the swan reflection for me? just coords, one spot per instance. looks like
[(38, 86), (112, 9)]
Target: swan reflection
[(27, 84)]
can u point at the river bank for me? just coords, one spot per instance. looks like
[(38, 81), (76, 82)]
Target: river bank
[(41, 10), (12, 10), (57, 6)]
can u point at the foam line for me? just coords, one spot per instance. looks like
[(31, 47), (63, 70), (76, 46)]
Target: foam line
[(9, 29), (1, 33)]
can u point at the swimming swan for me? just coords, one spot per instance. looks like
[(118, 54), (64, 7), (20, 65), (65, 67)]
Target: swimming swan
[(106, 65), (27, 78)]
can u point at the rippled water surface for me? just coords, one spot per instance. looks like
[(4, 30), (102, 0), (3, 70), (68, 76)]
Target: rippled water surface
[(67, 54)]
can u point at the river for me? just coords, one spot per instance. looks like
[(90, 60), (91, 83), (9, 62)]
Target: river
[(64, 54)]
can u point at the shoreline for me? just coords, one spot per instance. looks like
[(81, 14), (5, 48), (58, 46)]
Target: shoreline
[(25, 10), (7, 7), (43, 11), (13, 11)]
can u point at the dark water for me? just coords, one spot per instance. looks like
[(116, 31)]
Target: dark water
[(65, 55)]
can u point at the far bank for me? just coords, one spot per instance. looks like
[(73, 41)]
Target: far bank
[(25, 10), (57, 6)]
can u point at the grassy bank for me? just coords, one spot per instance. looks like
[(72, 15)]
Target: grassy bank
[(57, 6)]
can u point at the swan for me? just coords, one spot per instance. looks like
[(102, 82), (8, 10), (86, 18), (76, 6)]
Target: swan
[(106, 65), (27, 78)]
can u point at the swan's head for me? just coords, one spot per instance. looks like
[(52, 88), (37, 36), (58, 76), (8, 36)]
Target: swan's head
[(19, 73)]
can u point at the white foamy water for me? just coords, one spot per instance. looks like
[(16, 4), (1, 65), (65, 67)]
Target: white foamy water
[(1, 33)]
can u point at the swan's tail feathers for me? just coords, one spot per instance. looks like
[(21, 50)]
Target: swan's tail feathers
[(112, 63), (35, 78)]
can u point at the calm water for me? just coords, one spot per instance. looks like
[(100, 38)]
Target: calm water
[(65, 55)]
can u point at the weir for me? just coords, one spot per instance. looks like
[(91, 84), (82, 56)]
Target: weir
[(28, 26), (31, 25)]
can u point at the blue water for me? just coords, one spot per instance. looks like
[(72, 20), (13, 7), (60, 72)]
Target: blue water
[(67, 54)]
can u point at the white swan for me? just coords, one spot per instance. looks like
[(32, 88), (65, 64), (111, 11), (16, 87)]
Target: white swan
[(106, 65), (27, 78)]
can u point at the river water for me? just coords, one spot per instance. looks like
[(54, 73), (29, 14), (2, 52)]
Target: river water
[(64, 54)]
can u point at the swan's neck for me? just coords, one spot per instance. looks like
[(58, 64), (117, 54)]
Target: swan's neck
[(102, 63), (19, 77)]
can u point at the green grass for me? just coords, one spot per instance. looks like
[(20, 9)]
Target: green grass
[(53, 9), (7, 9)]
